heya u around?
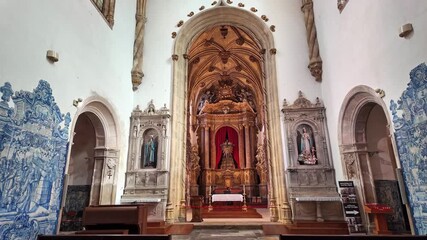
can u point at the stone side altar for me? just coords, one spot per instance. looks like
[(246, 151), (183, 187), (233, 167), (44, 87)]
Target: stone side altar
[(147, 174), (310, 175)]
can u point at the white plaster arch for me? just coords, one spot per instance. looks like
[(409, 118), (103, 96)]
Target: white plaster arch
[(222, 14)]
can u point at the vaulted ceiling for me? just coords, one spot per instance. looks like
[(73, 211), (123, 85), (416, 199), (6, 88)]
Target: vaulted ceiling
[(225, 56)]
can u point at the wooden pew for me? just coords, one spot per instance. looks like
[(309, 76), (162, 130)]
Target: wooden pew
[(106, 237), (350, 237), (119, 217)]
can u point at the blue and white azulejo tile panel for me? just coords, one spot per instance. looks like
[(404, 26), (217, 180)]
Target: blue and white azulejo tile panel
[(410, 123), (33, 151)]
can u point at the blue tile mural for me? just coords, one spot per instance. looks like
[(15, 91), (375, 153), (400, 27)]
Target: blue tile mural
[(33, 151), (410, 123)]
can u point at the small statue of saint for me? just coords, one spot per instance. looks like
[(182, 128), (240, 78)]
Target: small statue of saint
[(150, 153)]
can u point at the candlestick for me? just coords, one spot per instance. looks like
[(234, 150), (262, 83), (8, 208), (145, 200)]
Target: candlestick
[(244, 190), (210, 190)]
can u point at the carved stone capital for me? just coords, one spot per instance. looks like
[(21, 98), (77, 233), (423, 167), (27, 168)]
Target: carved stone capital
[(316, 70), (136, 79)]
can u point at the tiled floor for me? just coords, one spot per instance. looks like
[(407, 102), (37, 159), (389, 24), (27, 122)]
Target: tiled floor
[(229, 228), (225, 234)]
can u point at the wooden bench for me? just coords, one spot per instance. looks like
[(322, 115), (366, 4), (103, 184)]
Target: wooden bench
[(345, 237), (106, 237), (120, 217)]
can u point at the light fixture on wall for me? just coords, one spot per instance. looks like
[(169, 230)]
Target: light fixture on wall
[(77, 101), (52, 55), (405, 30)]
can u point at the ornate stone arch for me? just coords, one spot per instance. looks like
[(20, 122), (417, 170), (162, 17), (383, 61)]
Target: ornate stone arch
[(353, 116), (222, 14), (106, 156)]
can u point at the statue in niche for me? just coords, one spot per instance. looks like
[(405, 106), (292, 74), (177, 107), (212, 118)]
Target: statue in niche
[(206, 97), (227, 161), (150, 153), (306, 146)]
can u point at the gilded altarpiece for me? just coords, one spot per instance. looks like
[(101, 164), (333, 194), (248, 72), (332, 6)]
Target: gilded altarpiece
[(147, 173), (310, 175), (227, 151)]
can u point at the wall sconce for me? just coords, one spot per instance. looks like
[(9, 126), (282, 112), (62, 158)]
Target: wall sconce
[(77, 101), (52, 55), (405, 30)]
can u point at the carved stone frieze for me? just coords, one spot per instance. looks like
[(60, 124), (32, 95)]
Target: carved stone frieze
[(350, 166)]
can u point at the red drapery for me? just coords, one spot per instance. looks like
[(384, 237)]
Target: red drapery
[(233, 138)]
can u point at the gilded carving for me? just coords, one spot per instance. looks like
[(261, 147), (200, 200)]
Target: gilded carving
[(194, 164), (261, 164)]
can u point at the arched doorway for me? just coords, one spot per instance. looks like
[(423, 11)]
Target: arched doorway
[(91, 172), (237, 21), (369, 157)]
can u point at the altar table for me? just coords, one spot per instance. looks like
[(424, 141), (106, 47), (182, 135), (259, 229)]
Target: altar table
[(227, 197)]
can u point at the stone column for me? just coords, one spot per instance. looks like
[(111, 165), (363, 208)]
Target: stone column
[(241, 147), (109, 15), (212, 149), (247, 147), (206, 147), (138, 44), (315, 64)]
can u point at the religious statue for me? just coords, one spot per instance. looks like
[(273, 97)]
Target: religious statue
[(150, 153), (227, 160), (307, 150)]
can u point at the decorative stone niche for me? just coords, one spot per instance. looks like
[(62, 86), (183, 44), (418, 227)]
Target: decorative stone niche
[(310, 175), (147, 174)]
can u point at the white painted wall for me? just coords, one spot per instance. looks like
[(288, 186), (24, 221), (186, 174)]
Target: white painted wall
[(361, 46), (93, 59)]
